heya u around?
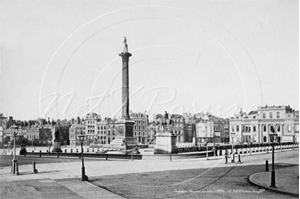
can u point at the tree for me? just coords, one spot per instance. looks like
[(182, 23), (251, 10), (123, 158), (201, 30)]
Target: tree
[(88, 142)]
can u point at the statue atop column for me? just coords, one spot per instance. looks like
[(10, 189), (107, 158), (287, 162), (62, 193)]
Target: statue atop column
[(125, 50)]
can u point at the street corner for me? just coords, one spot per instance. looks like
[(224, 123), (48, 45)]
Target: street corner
[(263, 180)]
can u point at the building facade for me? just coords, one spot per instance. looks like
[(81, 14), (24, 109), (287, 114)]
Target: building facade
[(91, 125), (225, 135), (74, 131), (256, 126), (140, 127), (179, 127), (204, 131)]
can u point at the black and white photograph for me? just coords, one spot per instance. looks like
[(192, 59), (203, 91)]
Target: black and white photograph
[(140, 99)]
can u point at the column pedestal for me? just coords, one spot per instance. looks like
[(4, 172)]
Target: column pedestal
[(165, 143), (124, 139)]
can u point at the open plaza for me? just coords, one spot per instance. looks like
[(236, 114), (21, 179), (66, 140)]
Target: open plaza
[(152, 176)]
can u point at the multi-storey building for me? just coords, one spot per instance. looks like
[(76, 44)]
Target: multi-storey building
[(111, 130), (190, 128), (101, 132), (32, 133), (74, 131), (256, 126), (204, 131), (225, 134), (140, 126), (179, 127), (106, 131), (91, 125)]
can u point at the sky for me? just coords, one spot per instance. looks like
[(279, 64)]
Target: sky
[(60, 59)]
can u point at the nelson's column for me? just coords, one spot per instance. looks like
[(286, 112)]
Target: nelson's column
[(125, 124)]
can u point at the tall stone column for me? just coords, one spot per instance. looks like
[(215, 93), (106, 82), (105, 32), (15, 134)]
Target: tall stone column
[(125, 83), (125, 139)]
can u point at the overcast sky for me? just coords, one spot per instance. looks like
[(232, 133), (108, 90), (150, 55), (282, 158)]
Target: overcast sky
[(60, 59)]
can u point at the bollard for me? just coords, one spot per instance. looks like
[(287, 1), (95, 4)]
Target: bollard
[(71, 150), (170, 157), (65, 150), (25, 153), (98, 149), (57, 154), (226, 159), (34, 169), (106, 156), (12, 167), (93, 149), (87, 150), (76, 150), (240, 159), (40, 153), (17, 168), (267, 165)]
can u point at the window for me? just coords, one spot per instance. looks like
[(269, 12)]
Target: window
[(271, 115), (254, 128), (237, 128), (289, 128), (232, 127), (265, 139), (264, 115), (265, 128), (278, 115), (278, 128)]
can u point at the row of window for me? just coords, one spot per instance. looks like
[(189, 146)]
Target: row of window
[(248, 128), (271, 115), (139, 134), (139, 128)]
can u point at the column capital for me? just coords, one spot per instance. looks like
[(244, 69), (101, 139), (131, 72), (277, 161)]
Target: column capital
[(125, 56)]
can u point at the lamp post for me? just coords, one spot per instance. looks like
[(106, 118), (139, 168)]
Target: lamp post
[(14, 160), (273, 138), (206, 140), (249, 143), (232, 142), (83, 176)]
